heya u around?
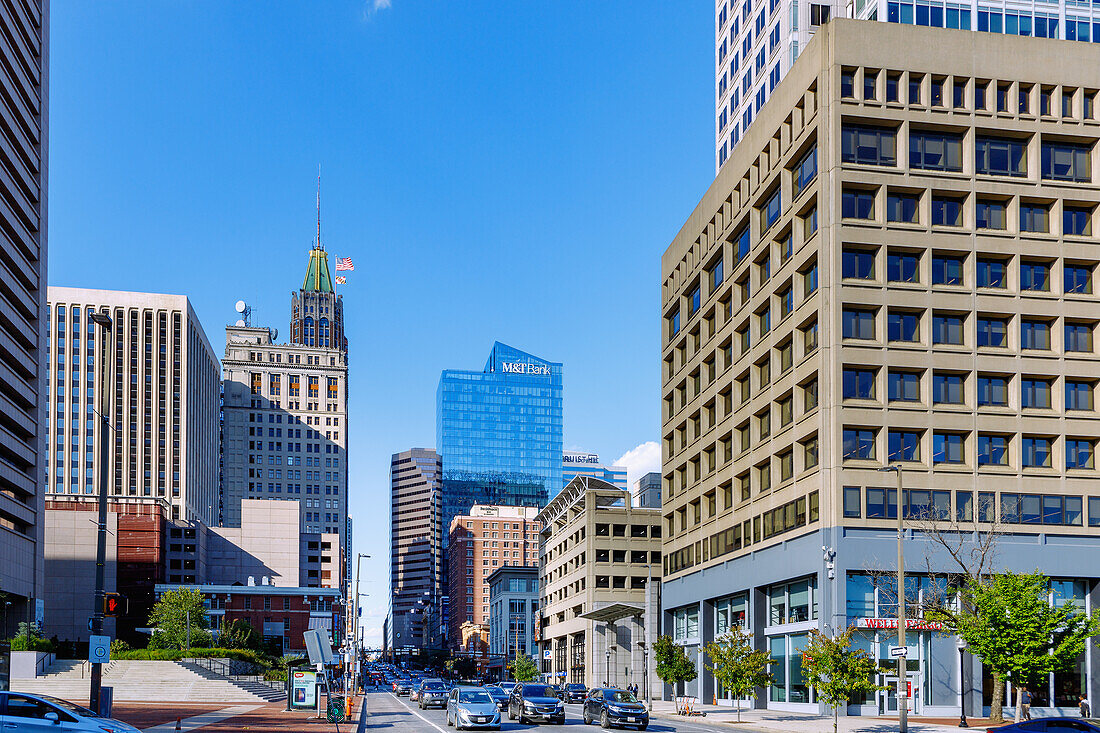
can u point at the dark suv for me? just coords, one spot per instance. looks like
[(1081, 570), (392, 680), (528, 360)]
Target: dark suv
[(531, 701), (575, 692), (432, 692), (612, 706)]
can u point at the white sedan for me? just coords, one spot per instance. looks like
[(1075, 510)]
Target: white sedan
[(38, 713)]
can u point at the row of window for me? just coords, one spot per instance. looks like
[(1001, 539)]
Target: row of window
[(952, 447), (987, 507), (904, 384)]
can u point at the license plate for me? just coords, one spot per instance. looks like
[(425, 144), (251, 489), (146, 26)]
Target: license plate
[(633, 720)]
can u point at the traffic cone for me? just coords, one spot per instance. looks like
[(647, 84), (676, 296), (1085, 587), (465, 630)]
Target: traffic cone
[(715, 701)]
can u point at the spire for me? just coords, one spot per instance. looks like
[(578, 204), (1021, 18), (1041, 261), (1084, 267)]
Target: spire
[(318, 278), (318, 245)]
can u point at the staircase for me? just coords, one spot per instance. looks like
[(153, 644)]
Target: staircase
[(142, 681)]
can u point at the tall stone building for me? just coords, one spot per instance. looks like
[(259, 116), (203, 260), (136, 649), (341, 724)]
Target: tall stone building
[(284, 412), (25, 106)]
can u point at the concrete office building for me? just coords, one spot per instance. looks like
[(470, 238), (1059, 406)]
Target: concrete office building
[(163, 389), (895, 267), (285, 417), (757, 41), (23, 307), (579, 463), (513, 614), (647, 490), (485, 538), (416, 544), (600, 565)]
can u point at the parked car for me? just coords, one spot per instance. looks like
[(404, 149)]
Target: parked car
[(432, 692), (1055, 725), (612, 706), (500, 697), (20, 711), (471, 707), (533, 701), (575, 692)]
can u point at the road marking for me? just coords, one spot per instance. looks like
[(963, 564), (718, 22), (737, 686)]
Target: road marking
[(198, 721), (395, 697)]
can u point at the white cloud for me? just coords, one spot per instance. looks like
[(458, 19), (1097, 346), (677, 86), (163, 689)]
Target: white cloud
[(640, 460), (373, 6), (381, 4)]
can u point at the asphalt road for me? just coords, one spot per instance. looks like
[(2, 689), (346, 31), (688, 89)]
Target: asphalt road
[(386, 710)]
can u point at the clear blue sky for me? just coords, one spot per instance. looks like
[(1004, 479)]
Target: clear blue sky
[(498, 171)]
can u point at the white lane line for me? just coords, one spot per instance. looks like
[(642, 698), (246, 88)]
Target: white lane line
[(395, 697)]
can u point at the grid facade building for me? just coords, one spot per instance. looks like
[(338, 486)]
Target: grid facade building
[(757, 41), (578, 463), (163, 387), (23, 186), (513, 611), (895, 267)]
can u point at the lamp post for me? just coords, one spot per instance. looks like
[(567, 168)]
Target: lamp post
[(607, 666), (645, 670), (903, 721), (350, 634), (104, 322), (961, 643)]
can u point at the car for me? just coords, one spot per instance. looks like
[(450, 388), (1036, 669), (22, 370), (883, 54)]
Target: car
[(471, 707), (500, 697), (1055, 725), (20, 711), (559, 691), (575, 692), (432, 692), (402, 687), (614, 707), (535, 701)]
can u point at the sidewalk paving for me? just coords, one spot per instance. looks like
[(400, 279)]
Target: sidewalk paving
[(767, 721), (261, 718)]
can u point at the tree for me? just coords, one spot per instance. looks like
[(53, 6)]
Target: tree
[(523, 668), (1018, 633), (238, 634), (462, 667), (673, 666), (737, 665), (170, 618), (836, 671)]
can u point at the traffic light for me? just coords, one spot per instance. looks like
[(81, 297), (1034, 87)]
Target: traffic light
[(114, 604)]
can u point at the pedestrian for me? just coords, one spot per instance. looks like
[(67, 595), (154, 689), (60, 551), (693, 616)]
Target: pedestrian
[(1083, 704), (1025, 703)]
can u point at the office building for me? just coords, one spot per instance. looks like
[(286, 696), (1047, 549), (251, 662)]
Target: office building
[(162, 383), (285, 417), (647, 490), (416, 543), (513, 614), (600, 564), (579, 463), (480, 541), (757, 42), (26, 54), (499, 432), (895, 268)]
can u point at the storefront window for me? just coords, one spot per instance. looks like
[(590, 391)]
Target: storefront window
[(800, 601), (798, 690), (778, 648), (731, 612), (685, 623), (793, 602), (1070, 592), (1069, 686), (860, 594)]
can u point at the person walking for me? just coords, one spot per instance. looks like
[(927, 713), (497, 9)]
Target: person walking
[(1083, 705), (1025, 703)]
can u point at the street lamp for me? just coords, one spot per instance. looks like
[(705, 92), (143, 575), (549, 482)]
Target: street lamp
[(104, 322), (961, 643), (607, 667), (903, 721), (645, 670)]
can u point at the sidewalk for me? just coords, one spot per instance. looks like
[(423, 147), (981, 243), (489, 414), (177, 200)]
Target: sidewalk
[(767, 721), (254, 718)]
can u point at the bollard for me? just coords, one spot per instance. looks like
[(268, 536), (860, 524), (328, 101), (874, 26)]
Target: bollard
[(178, 723)]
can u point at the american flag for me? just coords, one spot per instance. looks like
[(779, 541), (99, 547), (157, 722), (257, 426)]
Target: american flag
[(344, 263), (340, 280)]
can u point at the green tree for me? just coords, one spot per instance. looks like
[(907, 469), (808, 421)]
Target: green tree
[(237, 634), (523, 668), (737, 665), (1018, 634), (837, 671), (170, 619), (464, 668), (29, 639), (672, 665)]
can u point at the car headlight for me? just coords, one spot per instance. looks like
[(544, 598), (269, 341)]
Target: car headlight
[(529, 705)]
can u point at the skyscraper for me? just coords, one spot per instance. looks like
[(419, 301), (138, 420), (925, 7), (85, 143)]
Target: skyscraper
[(25, 104), (580, 463), (164, 390), (416, 550), (757, 41), (284, 432), (499, 432)]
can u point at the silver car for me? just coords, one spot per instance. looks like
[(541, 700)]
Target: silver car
[(471, 707), (23, 712)]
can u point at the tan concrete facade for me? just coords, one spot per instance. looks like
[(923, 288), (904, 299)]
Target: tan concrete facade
[(597, 550)]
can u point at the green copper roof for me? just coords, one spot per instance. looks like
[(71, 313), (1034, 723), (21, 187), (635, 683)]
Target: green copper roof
[(317, 275)]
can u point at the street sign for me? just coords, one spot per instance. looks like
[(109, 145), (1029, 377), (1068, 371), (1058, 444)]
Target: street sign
[(99, 649), (899, 651)]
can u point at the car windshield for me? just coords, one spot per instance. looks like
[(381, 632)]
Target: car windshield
[(574, 687), (494, 690), (433, 686), (537, 691), (70, 707), (473, 696), (619, 696)]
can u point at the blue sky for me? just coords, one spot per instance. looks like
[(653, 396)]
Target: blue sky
[(498, 171)]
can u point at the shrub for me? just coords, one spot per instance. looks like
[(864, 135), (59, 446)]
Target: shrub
[(173, 655), (275, 674), (28, 639), (118, 646)]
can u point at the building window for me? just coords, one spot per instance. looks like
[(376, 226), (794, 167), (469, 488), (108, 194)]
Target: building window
[(769, 213), (903, 326), (947, 389), (857, 204), (935, 151), (1078, 337), (993, 332), (947, 270), (1065, 162), (1035, 394), (1000, 157), (947, 329), (868, 145), (992, 273), (1076, 221), (903, 387), (1079, 454), (902, 267), (992, 450), (1035, 276), (859, 444), (805, 171), (852, 502), (859, 384), (858, 324), (1035, 452), (947, 211), (1034, 218), (947, 448), (858, 264), (1078, 395), (992, 391), (991, 215), (902, 207), (1035, 335), (903, 445), (1077, 279)]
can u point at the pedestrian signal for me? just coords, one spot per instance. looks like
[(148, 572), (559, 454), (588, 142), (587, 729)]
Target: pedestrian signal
[(114, 604)]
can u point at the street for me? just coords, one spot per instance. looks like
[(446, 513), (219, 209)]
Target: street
[(384, 709)]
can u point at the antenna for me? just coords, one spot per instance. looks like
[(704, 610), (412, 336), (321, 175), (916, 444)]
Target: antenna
[(319, 207), (246, 313)]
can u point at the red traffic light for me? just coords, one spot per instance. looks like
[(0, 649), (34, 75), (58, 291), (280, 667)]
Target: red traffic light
[(114, 604)]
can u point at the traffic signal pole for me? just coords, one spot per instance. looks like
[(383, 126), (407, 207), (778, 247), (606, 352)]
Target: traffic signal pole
[(103, 320)]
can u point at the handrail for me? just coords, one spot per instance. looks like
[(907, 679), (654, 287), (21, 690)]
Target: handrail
[(217, 666)]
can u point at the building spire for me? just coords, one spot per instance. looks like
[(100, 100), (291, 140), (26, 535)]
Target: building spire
[(318, 246)]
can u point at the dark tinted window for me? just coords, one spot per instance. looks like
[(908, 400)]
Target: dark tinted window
[(537, 691)]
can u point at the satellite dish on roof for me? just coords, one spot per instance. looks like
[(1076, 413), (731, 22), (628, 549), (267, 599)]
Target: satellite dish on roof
[(240, 323), (240, 306)]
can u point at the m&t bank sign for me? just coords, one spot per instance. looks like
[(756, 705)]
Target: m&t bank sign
[(519, 367)]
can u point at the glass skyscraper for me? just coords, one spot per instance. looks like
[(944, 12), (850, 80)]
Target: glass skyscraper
[(499, 432)]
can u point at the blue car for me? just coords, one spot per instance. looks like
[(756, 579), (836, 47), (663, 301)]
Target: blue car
[(614, 707), (1055, 725)]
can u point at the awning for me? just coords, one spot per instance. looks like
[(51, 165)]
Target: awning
[(320, 622), (614, 612)]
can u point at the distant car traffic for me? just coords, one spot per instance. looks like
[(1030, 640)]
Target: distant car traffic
[(471, 707), (42, 713), (614, 707), (575, 692), (532, 701)]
